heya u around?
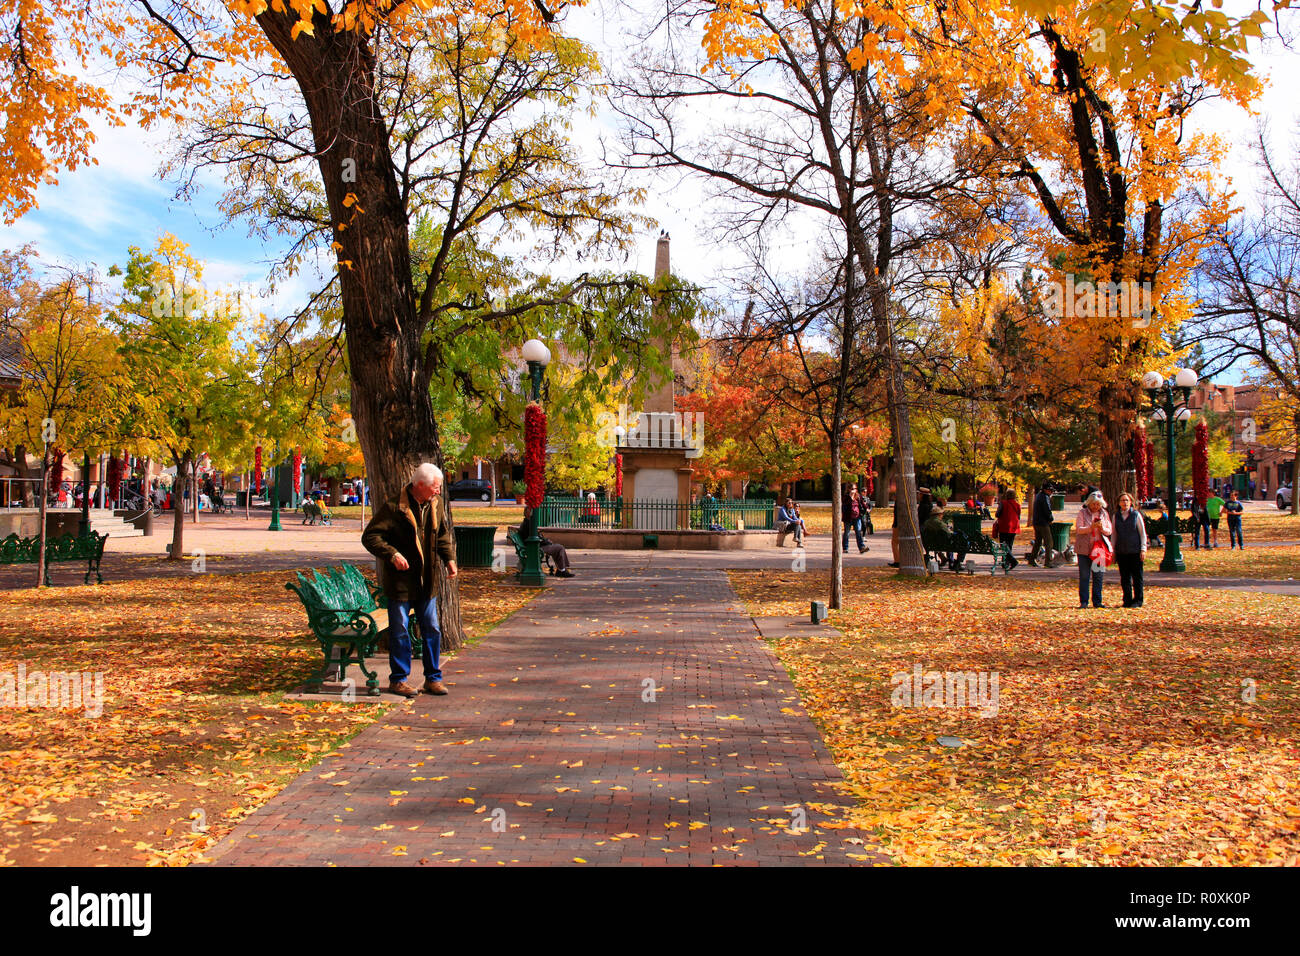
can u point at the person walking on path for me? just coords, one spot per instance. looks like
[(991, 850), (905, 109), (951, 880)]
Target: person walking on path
[(1213, 509), (1234, 508), (1200, 524), (408, 534), (851, 518), (1130, 549), (1007, 523), (1092, 531), (1041, 516), (924, 504)]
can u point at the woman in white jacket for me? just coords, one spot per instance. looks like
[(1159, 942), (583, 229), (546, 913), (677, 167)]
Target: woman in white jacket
[(1092, 527)]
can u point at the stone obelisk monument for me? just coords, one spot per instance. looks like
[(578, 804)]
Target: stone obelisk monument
[(655, 449)]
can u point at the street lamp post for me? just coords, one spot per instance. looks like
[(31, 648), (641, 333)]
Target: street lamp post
[(1170, 411), (273, 488), (538, 356)]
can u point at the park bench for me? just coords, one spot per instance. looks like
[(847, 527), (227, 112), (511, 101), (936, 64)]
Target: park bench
[(341, 606), (65, 547), (313, 512), (1159, 526), (984, 544), (970, 544), (513, 537)]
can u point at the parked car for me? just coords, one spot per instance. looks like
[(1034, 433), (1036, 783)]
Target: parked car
[(1284, 497), (479, 488)]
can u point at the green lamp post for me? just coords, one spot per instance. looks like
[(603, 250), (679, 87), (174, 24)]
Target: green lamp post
[(1170, 411), (538, 356), (273, 489)]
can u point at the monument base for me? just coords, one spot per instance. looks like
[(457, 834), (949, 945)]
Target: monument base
[(633, 539)]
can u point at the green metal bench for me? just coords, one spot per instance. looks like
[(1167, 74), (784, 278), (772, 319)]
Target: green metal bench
[(971, 544), (341, 606), (984, 544), (62, 548), (1159, 526), (933, 546), (513, 537), (312, 513)]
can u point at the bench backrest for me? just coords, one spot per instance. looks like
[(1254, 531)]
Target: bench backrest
[(63, 547), (16, 550), (319, 614), (513, 537), (72, 547), (322, 595), (353, 588)]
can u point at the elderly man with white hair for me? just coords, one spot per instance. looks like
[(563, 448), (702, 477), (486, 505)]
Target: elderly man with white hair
[(408, 535)]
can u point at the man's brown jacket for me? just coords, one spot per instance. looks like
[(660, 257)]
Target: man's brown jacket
[(397, 528)]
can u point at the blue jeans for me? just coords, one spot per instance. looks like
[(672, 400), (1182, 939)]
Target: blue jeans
[(856, 526), (1234, 532), (1086, 573), (399, 638)]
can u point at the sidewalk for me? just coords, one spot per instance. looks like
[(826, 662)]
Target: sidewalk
[(630, 715)]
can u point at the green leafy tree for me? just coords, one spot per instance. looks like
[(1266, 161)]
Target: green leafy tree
[(193, 385)]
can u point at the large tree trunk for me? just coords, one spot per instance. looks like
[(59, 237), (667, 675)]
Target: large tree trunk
[(837, 529), (335, 72), (1116, 414), (178, 510), (1295, 468), (40, 557), (911, 555)]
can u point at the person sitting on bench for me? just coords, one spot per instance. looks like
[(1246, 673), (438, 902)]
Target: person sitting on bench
[(787, 521), (937, 537), (558, 555)]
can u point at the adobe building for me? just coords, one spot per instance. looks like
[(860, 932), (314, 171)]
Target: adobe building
[(1274, 465)]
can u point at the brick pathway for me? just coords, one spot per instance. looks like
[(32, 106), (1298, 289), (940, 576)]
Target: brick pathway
[(546, 752)]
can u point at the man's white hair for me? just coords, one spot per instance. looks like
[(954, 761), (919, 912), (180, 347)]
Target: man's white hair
[(426, 474)]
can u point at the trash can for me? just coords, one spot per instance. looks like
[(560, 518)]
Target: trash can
[(969, 524), (1058, 502), (241, 498), (1061, 535), (474, 545)]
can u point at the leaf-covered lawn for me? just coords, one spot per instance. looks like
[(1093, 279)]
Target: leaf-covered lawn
[(1161, 735), (195, 732), (1274, 563)]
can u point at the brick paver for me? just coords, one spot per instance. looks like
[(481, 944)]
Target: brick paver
[(550, 750)]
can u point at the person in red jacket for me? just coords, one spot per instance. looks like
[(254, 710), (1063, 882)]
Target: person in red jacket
[(1007, 523)]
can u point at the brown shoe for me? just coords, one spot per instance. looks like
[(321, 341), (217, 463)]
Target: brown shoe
[(435, 687), (402, 689)]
